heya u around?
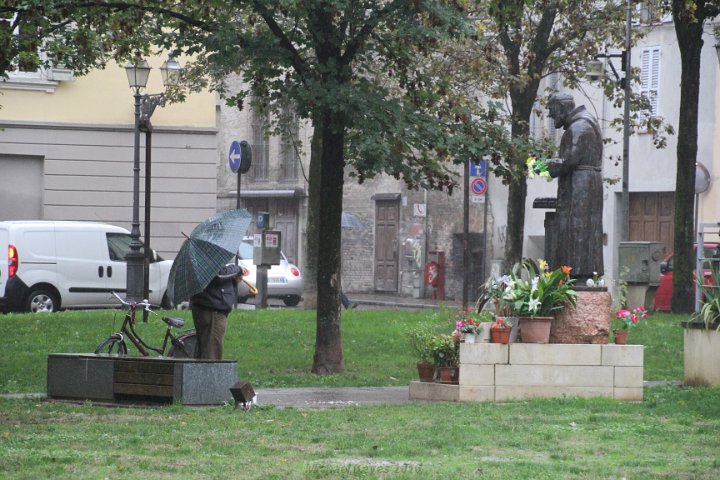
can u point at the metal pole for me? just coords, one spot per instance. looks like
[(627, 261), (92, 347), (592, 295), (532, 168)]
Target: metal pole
[(466, 228), (148, 186), (625, 197), (135, 257)]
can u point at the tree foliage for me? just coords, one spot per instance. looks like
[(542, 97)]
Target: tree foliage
[(367, 73), (518, 43)]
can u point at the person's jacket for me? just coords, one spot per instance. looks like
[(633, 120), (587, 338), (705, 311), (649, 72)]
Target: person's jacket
[(221, 294)]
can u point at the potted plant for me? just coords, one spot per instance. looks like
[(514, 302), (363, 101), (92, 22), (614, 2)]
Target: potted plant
[(534, 293), (628, 319), (500, 330), (446, 357), (420, 340)]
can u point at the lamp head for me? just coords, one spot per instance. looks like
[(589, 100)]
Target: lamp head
[(137, 72), (595, 70), (171, 71)]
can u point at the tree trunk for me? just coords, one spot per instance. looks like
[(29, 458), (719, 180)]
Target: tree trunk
[(328, 356), (522, 102), (311, 230), (689, 35)]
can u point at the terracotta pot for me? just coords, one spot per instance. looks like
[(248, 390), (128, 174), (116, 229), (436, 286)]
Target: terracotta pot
[(449, 375), (535, 330), (426, 372), (500, 335), (620, 337)]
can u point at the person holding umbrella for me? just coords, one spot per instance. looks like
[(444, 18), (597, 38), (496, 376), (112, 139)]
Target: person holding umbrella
[(201, 273), (210, 309)]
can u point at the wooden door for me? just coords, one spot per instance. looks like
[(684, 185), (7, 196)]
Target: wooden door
[(387, 222), (652, 217)]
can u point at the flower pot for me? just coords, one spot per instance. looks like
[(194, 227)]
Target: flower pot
[(469, 337), (535, 330), (426, 372), (500, 335), (620, 337), (449, 375)]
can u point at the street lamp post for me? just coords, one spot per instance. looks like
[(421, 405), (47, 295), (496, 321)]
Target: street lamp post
[(138, 72), (595, 70)]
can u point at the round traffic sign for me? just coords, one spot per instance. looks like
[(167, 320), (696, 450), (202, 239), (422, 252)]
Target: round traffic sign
[(478, 186), (240, 156), (235, 156)]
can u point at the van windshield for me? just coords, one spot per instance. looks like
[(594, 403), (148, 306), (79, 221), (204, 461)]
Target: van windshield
[(118, 245)]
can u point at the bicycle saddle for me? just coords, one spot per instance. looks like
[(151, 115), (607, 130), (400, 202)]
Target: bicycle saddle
[(174, 321)]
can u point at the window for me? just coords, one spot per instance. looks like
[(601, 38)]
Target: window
[(650, 80), (118, 245), (260, 147), (26, 72), (289, 149)]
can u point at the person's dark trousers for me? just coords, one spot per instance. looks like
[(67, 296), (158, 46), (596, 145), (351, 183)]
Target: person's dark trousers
[(210, 326), (344, 299)]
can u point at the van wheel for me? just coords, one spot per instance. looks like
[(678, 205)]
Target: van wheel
[(42, 301), (291, 300)]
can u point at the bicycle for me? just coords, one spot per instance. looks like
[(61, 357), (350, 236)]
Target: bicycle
[(183, 345)]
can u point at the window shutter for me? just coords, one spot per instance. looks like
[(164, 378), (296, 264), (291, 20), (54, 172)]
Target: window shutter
[(650, 80)]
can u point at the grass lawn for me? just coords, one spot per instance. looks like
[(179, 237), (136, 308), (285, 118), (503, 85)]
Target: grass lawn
[(274, 348), (672, 434)]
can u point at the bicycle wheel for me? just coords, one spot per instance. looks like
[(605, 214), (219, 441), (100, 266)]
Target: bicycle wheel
[(112, 346), (186, 347)]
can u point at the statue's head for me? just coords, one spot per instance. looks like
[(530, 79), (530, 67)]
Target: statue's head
[(559, 106)]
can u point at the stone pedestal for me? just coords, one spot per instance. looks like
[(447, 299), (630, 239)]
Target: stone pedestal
[(125, 379), (519, 371), (588, 322)]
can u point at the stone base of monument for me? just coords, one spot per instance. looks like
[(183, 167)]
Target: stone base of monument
[(493, 372), (123, 379), (588, 322)]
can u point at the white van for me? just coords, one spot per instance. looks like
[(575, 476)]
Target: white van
[(53, 265)]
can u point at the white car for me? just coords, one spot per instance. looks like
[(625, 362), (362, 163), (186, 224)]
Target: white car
[(284, 280), (51, 266)]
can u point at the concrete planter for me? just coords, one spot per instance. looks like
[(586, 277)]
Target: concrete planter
[(701, 354)]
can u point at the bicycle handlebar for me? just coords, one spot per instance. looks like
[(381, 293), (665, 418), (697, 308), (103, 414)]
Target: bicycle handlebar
[(145, 305)]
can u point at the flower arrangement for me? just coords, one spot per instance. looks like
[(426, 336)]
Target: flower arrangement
[(469, 320), (467, 326), (501, 323), (540, 292), (630, 318), (537, 167)]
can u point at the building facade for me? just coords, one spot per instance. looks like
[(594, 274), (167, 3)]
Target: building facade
[(66, 153)]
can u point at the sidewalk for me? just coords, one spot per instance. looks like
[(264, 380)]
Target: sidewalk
[(394, 301)]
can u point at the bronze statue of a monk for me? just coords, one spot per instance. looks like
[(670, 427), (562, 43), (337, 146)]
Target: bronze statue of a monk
[(578, 218)]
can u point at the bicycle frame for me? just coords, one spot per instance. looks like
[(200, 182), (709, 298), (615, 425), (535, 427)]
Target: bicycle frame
[(128, 330)]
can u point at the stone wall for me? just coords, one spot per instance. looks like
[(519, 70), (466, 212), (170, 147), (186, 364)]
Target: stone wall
[(517, 371)]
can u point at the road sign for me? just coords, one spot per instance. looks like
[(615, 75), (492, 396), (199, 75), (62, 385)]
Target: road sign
[(235, 156), (240, 156), (478, 169), (478, 186)]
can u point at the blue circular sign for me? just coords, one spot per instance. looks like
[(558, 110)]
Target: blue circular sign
[(235, 156), (478, 186)]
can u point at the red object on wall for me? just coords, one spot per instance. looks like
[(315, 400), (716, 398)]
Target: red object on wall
[(432, 273), (435, 274)]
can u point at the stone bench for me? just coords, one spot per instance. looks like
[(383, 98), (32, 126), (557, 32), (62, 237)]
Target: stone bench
[(79, 376), (517, 371)]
